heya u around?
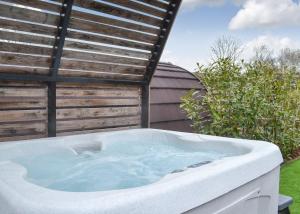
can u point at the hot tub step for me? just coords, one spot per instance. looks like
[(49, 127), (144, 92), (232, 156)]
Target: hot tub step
[(284, 203)]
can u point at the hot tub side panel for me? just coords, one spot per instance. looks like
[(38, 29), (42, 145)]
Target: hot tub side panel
[(259, 196)]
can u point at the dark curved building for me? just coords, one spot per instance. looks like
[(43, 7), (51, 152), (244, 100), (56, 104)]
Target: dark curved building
[(169, 83)]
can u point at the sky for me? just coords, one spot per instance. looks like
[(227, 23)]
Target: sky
[(253, 23)]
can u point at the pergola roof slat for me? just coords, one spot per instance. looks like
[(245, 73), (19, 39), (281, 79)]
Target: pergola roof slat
[(102, 57), (108, 40), (116, 22), (105, 49), (24, 48), (94, 27), (28, 15), (38, 4), (26, 60), (156, 3), (138, 6), (117, 11), (96, 66), (28, 27), (11, 35)]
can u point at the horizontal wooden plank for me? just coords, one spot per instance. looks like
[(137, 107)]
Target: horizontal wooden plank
[(156, 3), (23, 137), (22, 92), (22, 115), (27, 49), (86, 93), (96, 102), (117, 11), (28, 15), (96, 27), (27, 38), (115, 22), (139, 7), (31, 128), (109, 68), (98, 86), (28, 27), (96, 57), (108, 40), (18, 103), (96, 123), (23, 69), (26, 60), (38, 4), (105, 49), (97, 74), (24, 84), (77, 113), (97, 130)]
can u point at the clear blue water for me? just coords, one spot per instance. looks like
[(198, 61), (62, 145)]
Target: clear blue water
[(118, 166)]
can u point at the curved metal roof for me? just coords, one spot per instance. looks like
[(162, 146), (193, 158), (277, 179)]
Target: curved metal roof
[(169, 83)]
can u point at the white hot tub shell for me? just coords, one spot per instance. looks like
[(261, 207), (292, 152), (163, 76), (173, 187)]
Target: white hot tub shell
[(246, 183)]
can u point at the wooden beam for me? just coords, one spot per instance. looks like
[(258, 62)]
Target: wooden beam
[(156, 54), (145, 106), (61, 35), (44, 78), (163, 36), (65, 15), (51, 109)]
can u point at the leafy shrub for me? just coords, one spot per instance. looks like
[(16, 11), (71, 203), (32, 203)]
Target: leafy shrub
[(255, 100)]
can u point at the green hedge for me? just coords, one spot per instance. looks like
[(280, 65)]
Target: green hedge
[(255, 100)]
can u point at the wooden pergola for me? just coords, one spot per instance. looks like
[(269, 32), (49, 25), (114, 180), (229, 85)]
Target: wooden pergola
[(89, 61)]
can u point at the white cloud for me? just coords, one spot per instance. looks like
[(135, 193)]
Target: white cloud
[(273, 43), (266, 13), (190, 4)]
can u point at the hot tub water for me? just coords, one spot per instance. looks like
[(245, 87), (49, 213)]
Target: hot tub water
[(118, 165)]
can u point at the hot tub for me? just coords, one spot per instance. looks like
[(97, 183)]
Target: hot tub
[(139, 171)]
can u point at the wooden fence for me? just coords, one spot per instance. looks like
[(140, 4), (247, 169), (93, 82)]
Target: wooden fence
[(77, 66)]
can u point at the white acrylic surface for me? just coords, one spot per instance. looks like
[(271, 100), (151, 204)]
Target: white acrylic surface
[(243, 161)]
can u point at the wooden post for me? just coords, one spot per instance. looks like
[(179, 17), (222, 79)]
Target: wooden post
[(156, 54), (65, 15), (51, 109), (145, 106)]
